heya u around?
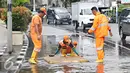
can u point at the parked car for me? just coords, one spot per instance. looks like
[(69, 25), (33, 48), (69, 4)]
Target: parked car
[(124, 23), (58, 15)]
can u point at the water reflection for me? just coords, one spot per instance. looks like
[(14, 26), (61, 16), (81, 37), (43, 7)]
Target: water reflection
[(34, 68), (124, 48), (125, 43), (100, 68), (67, 69)]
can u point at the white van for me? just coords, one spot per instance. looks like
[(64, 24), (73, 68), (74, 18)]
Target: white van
[(82, 14)]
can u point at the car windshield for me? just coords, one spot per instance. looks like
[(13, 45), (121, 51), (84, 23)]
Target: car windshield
[(128, 15), (61, 10), (87, 11)]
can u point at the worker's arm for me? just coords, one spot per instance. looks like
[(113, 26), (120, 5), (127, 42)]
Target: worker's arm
[(36, 28), (57, 50), (71, 45), (36, 23), (110, 31), (109, 28), (94, 26)]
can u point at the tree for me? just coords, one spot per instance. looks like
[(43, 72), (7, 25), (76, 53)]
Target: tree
[(68, 2), (3, 3), (20, 2), (122, 6)]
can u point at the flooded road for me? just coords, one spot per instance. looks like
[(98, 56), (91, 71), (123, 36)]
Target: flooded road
[(116, 58)]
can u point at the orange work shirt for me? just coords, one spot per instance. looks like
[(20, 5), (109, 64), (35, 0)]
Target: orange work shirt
[(100, 25), (36, 20)]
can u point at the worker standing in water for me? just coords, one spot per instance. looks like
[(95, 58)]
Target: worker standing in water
[(100, 28), (36, 34), (66, 46)]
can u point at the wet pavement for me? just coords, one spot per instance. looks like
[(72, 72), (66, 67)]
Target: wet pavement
[(117, 59)]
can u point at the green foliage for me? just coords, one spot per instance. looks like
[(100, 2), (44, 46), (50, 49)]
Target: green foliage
[(121, 7), (68, 2), (21, 17), (19, 2), (3, 3)]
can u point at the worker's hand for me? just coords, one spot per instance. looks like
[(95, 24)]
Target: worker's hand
[(39, 37), (88, 32), (111, 34)]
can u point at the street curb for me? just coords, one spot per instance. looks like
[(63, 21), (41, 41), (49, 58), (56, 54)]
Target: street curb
[(21, 57)]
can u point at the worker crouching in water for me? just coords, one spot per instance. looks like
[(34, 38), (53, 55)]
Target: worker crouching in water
[(100, 28), (66, 46)]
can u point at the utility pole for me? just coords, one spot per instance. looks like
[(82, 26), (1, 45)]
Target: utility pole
[(116, 11), (9, 22), (34, 5)]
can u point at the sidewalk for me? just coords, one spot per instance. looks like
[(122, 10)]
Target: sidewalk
[(3, 43), (3, 35)]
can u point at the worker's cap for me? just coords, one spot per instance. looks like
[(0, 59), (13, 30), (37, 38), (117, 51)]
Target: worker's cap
[(43, 10), (75, 42), (66, 38)]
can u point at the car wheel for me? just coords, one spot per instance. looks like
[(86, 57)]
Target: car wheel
[(69, 23), (48, 22), (83, 27), (122, 35)]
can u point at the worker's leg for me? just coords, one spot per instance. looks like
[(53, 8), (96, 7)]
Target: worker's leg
[(73, 53), (99, 47), (37, 48), (63, 52)]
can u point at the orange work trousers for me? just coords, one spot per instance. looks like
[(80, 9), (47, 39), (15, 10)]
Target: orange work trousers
[(37, 43), (99, 47)]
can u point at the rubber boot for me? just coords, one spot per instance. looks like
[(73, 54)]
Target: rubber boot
[(36, 58), (63, 52), (33, 57), (100, 54)]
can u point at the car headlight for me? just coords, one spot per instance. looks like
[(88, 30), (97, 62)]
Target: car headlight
[(57, 17)]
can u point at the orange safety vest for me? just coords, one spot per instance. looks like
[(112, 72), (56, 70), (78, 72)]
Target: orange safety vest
[(100, 26), (64, 46)]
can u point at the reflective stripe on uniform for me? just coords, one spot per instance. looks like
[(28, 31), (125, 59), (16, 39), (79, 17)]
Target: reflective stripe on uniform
[(99, 48), (38, 50), (92, 28), (101, 25)]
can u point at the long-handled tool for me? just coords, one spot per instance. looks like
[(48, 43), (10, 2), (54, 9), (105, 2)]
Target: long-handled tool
[(57, 51)]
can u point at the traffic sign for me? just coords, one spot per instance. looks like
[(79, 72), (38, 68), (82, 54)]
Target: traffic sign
[(125, 1)]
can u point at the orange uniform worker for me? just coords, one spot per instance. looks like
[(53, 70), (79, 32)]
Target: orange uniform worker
[(36, 34), (100, 28), (67, 47)]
